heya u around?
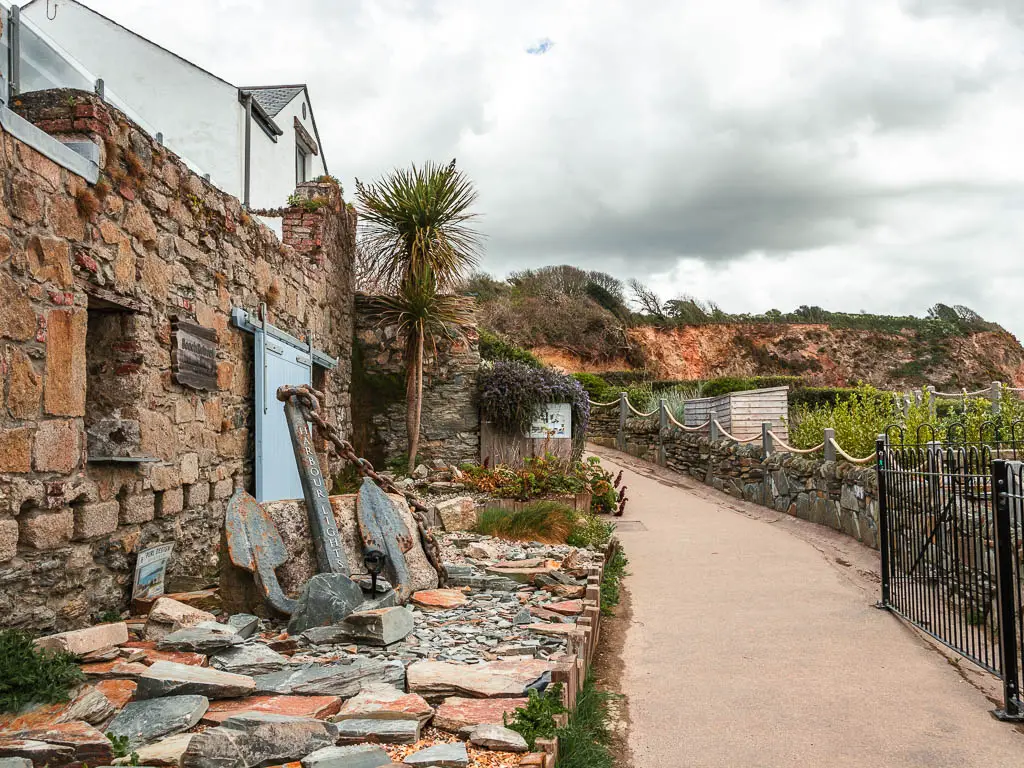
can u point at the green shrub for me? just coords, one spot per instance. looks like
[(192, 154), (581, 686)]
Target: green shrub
[(590, 531), (611, 582), (542, 477), (30, 675), (726, 384), (597, 388), (537, 719), (548, 522), (493, 347)]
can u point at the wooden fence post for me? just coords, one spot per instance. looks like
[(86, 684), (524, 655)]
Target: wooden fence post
[(662, 427), (766, 439), (623, 414), (830, 447), (996, 395)]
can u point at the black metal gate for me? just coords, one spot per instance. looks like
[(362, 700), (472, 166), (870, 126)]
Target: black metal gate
[(950, 519)]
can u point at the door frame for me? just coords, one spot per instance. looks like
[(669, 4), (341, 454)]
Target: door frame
[(265, 333)]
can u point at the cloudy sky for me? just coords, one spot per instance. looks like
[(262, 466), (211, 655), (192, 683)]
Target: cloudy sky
[(855, 154)]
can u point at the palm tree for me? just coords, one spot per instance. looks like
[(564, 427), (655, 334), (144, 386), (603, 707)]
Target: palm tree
[(416, 233), (420, 217)]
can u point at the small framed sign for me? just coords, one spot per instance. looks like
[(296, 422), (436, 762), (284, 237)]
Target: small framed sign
[(553, 420), (193, 355), (150, 569)]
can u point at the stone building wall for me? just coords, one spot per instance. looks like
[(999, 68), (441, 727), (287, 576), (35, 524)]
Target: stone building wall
[(840, 495), (91, 278), (450, 429)]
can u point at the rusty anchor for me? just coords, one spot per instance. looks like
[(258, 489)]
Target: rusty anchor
[(255, 545)]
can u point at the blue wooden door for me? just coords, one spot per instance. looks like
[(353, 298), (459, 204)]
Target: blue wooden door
[(277, 363)]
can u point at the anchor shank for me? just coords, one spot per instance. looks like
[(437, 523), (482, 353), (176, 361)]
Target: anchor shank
[(323, 528)]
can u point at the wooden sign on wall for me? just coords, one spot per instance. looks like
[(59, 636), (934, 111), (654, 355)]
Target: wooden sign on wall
[(193, 355)]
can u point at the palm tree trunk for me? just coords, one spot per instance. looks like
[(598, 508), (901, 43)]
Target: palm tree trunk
[(414, 398)]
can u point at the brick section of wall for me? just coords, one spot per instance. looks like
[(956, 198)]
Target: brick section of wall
[(155, 237), (450, 430), (840, 495)]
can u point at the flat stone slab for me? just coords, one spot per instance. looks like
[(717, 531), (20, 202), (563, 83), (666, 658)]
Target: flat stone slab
[(439, 599), (566, 607), (59, 744), (244, 624), (82, 641), (165, 678), (497, 737), (169, 611), (493, 679), (114, 670), (179, 657), (200, 639), (379, 701), (168, 751), (316, 707), (146, 721), (555, 630), (521, 574), (258, 739), (15, 762), (354, 756), (89, 704), (248, 659), (457, 713), (118, 692), (440, 756), (326, 599), (378, 731), (379, 626), (343, 680)]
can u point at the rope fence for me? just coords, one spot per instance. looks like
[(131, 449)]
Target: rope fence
[(771, 441)]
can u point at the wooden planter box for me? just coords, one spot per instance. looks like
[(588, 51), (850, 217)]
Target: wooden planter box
[(579, 502), (501, 448)]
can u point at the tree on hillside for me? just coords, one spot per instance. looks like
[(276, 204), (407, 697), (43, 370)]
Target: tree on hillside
[(648, 301), (416, 229)]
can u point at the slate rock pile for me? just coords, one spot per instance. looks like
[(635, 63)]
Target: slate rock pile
[(426, 684)]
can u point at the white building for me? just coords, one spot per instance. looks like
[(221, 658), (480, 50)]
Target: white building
[(254, 142)]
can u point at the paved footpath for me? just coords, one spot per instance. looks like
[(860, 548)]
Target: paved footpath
[(754, 643)]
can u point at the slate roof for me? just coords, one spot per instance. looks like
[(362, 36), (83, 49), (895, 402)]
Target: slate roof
[(274, 98)]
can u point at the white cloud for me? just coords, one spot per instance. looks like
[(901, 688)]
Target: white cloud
[(850, 154)]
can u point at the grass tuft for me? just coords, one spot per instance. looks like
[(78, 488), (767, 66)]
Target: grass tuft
[(583, 743), (548, 522), (611, 583)]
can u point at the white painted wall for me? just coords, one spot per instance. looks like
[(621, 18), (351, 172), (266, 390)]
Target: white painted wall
[(199, 115), (273, 165)]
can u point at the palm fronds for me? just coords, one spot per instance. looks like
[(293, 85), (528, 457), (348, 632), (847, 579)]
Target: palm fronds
[(420, 217)]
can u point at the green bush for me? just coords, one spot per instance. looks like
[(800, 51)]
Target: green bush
[(726, 384), (597, 388), (493, 347), (590, 531), (30, 675)]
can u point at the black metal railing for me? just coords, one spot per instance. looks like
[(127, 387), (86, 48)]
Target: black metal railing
[(950, 519)]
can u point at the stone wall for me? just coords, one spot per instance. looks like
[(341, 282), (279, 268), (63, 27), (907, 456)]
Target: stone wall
[(91, 279), (840, 495), (450, 430)]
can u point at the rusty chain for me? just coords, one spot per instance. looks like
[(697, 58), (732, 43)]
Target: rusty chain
[(309, 401)]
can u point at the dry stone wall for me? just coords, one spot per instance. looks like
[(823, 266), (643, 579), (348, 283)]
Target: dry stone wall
[(92, 279), (450, 430), (840, 495)]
